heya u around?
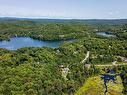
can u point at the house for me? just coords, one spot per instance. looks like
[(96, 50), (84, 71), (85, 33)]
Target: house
[(87, 66)]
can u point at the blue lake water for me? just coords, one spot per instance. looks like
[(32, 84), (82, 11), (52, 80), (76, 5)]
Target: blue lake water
[(104, 34), (20, 42)]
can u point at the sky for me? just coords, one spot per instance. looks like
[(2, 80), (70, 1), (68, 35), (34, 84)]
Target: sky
[(64, 9)]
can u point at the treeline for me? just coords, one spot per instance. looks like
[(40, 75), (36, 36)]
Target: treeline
[(41, 31), (58, 31)]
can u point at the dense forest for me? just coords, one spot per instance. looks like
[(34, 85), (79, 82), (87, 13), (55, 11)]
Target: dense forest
[(59, 71), (57, 31)]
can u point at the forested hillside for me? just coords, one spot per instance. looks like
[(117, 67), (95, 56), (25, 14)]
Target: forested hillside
[(63, 70)]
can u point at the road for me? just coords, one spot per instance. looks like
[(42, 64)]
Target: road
[(107, 65), (111, 65), (87, 56)]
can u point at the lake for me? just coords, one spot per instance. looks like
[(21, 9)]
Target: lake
[(104, 34), (20, 42)]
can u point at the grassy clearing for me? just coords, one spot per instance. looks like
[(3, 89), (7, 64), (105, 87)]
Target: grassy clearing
[(95, 86)]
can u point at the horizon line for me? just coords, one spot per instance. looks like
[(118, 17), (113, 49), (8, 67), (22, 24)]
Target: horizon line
[(60, 18)]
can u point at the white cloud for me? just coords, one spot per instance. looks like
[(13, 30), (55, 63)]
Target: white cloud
[(24, 12)]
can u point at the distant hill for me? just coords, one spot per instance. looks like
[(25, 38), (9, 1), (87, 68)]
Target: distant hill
[(85, 21)]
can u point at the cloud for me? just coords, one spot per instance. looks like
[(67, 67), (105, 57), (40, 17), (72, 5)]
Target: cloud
[(25, 12)]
